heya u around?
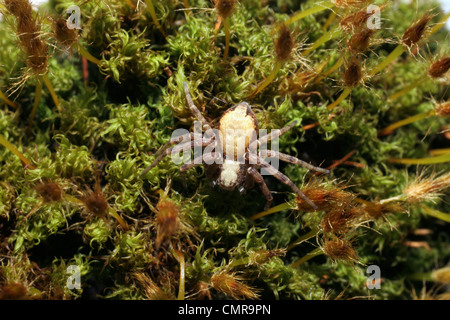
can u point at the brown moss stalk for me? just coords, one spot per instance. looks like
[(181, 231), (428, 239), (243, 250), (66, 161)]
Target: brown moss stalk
[(422, 161), (181, 287), (151, 10), (50, 88), (389, 129), (224, 8), (331, 34), (8, 145), (37, 99), (8, 101), (436, 71), (283, 50), (323, 5)]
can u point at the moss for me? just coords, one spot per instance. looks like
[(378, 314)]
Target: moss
[(116, 114), (130, 53)]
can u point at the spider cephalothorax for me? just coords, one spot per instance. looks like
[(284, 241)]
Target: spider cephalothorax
[(233, 152)]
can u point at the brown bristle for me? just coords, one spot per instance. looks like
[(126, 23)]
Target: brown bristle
[(358, 19), (232, 285), (355, 20), (29, 32), (13, 291), (167, 220), (324, 198), (65, 36), (225, 7), (414, 33), (360, 41), (263, 256), (377, 210), (96, 203), (340, 220), (37, 55), (443, 110), (340, 249), (439, 68), (284, 44), (49, 191), (441, 275), (425, 189), (151, 289), (353, 73), (18, 8)]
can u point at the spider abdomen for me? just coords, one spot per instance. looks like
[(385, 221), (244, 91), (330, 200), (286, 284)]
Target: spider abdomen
[(230, 174), (237, 127)]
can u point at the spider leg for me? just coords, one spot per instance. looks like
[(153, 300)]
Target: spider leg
[(161, 153), (249, 181), (281, 177), (272, 135), (262, 185), (191, 144), (194, 108), (291, 159), (207, 157), (197, 161), (185, 137)]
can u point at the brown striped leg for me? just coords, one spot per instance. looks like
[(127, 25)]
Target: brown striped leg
[(198, 115), (272, 135), (197, 161), (191, 144), (281, 177), (207, 157), (291, 159), (262, 185)]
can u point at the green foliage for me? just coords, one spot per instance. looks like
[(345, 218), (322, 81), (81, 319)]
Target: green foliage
[(130, 53)]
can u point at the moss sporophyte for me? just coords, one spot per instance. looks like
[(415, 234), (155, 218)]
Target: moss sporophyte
[(224, 149)]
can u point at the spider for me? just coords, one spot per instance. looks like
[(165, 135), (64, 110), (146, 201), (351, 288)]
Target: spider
[(235, 158)]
